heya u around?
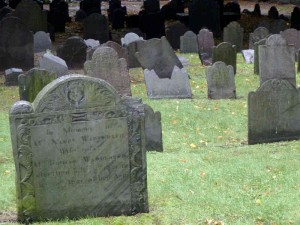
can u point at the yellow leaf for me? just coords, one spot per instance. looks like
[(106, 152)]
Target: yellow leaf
[(193, 145), (258, 201)]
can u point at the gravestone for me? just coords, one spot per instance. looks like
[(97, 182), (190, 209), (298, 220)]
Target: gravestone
[(295, 18), (220, 81), (132, 48), (274, 26), (174, 32), (273, 112), (273, 13), (95, 26), (248, 55), (58, 15), (11, 76), (118, 18), (233, 33), (130, 37), (73, 51), (205, 40), (225, 52), (171, 9), (204, 14), (122, 52), (158, 55), (177, 86), (30, 13), (90, 6), (292, 37), (232, 12), (91, 43), (16, 44), (79, 151), (188, 43), (152, 24), (107, 65), (153, 130), (256, 55), (31, 83), (151, 6), (53, 64), (277, 60), (41, 41), (258, 34)]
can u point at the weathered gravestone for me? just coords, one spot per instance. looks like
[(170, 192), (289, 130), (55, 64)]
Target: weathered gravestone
[(153, 130), (158, 55), (188, 43), (205, 40), (95, 26), (274, 26), (174, 32), (256, 55), (295, 18), (258, 34), (233, 33), (31, 83), (220, 81), (31, 14), (11, 76), (225, 52), (177, 86), (54, 64), (131, 42), (273, 112), (292, 37), (277, 60), (79, 150), (122, 52), (92, 43), (73, 51), (273, 13), (16, 44), (41, 41), (248, 55), (129, 38), (107, 65)]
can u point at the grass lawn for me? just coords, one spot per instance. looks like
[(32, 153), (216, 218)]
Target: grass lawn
[(207, 174)]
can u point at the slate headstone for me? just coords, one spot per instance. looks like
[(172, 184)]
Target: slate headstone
[(132, 48), (79, 151), (274, 26), (273, 13), (256, 55), (122, 51), (273, 112), (73, 51), (277, 60), (188, 43), (53, 64), (292, 37), (107, 65), (16, 44), (95, 26), (158, 55), (32, 82), (205, 40), (220, 81), (177, 86), (258, 34), (295, 18), (11, 76), (233, 33), (41, 41), (173, 33), (225, 52)]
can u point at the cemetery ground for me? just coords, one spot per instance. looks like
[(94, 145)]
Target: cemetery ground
[(207, 174)]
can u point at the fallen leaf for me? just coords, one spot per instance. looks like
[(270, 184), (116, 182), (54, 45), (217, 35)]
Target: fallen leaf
[(193, 145)]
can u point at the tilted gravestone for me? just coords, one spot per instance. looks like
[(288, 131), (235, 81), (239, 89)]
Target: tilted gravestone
[(174, 32), (256, 55), (31, 14), (79, 151), (11, 76), (31, 83), (258, 34), (107, 65), (177, 86), (153, 130), (54, 64), (41, 41), (225, 52), (233, 33), (95, 26), (292, 37), (16, 44), (205, 40), (220, 81), (273, 112), (188, 43), (158, 55), (277, 60), (73, 51)]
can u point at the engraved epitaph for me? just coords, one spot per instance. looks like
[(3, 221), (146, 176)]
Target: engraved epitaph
[(79, 150)]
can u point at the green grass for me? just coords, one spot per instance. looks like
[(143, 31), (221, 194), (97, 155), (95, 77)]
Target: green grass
[(207, 173)]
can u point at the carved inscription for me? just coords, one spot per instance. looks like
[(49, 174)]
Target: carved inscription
[(73, 160)]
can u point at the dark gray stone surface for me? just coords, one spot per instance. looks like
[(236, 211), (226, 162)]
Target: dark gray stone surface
[(173, 33), (178, 86), (95, 26), (225, 52), (158, 55), (292, 37), (122, 51), (258, 34), (273, 112), (41, 41), (132, 48), (16, 44), (274, 26), (256, 55), (188, 42), (205, 40), (32, 82), (79, 150), (233, 33), (54, 64), (277, 60), (107, 65), (11, 76), (220, 81)]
